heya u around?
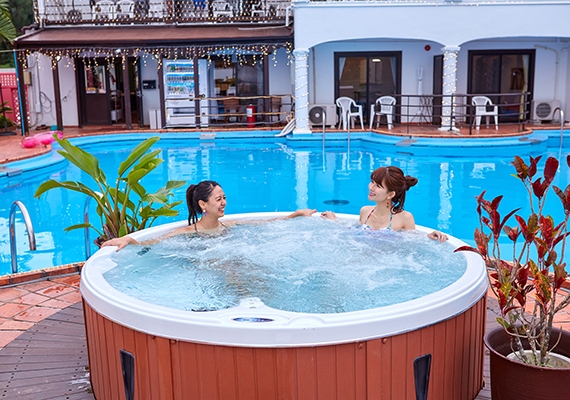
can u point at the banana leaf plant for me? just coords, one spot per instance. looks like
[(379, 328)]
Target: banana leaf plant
[(124, 206), (535, 269)]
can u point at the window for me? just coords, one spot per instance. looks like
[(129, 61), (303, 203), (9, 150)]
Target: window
[(509, 74), (366, 76)]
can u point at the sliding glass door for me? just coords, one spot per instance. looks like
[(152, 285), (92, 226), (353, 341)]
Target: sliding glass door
[(366, 76), (508, 72)]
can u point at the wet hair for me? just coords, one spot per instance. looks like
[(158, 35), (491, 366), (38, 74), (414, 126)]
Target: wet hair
[(393, 179), (195, 193)]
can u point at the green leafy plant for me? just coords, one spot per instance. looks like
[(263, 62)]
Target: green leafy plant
[(535, 269), (5, 109), (123, 206)]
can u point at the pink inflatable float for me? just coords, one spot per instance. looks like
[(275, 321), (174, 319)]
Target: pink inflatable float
[(39, 139)]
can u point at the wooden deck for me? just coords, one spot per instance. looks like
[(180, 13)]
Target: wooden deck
[(49, 360)]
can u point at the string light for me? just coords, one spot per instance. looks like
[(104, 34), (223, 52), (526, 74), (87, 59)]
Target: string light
[(301, 90), (241, 51), (449, 87)]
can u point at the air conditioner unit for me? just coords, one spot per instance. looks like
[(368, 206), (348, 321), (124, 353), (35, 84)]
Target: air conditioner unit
[(316, 114), (544, 110)]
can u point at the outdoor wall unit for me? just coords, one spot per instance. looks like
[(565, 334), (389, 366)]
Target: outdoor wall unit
[(544, 110), (316, 114)]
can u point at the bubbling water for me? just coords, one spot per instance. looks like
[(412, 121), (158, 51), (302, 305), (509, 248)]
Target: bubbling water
[(303, 265)]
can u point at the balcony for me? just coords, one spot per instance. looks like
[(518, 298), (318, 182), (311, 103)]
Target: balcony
[(143, 12)]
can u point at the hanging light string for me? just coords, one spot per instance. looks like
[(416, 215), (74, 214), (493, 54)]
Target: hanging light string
[(246, 54)]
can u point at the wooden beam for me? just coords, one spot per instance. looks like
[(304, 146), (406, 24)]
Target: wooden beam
[(22, 96), (127, 94), (57, 95)]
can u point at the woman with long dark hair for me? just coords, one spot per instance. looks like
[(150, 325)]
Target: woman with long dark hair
[(387, 188), (206, 203)]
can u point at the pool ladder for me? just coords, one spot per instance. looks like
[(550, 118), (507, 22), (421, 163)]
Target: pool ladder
[(32, 235), (561, 130), (12, 228)]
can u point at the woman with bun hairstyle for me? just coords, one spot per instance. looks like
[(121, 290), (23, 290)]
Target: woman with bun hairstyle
[(387, 188), (206, 203)]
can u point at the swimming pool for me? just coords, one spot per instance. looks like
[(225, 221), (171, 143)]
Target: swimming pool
[(261, 173)]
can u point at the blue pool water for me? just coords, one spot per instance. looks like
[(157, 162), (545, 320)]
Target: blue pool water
[(268, 174)]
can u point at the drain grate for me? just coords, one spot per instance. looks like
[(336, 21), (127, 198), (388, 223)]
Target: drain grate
[(336, 202)]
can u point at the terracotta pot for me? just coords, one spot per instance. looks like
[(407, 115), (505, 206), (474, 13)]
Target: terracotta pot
[(514, 380)]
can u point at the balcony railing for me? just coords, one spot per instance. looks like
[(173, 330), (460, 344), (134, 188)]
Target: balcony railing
[(273, 111), (457, 111), (129, 12)]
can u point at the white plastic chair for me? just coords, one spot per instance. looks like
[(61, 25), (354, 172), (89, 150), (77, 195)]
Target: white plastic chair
[(271, 8), (221, 7), (386, 104), (125, 9), (482, 105), (346, 105), (156, 9), (104, 9)]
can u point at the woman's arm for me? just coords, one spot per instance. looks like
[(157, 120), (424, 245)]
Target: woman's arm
[(124, 241), (306, 212)]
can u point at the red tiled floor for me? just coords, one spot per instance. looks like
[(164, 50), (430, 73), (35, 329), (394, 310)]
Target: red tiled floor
[(31, 299), (8, 310), (72, 297), (35, 313), (11, 325), (56, 290), (59, 304), (8, 294), (7, 336), (23, 306)]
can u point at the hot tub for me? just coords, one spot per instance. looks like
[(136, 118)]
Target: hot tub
[(252, 351)]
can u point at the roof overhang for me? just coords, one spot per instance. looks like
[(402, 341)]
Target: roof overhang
[(152, 36)]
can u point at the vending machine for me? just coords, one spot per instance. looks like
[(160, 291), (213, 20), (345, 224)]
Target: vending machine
[(180, 93)]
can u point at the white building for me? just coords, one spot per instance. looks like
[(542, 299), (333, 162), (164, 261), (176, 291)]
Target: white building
[(420, 52), (367, 49)]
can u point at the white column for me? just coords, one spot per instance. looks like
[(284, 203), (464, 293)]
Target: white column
[(302, 177), (449, 87), (301, 91)]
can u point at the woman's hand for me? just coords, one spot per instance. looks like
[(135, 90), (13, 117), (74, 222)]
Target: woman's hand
[(120, 242), (306, 212), (328, 215), (439, 236)]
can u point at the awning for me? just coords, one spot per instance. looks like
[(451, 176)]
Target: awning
[(152, 36)]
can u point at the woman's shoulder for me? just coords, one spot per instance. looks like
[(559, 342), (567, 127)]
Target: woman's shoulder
[(366, 210), (404, 220)]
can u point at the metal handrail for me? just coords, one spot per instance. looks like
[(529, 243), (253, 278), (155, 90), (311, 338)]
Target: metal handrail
[(324, 125), (12, 228), (86, 229), (561, 129), (86, 221)]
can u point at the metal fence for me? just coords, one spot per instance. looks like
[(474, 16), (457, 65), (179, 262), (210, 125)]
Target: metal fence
[(121, 12)]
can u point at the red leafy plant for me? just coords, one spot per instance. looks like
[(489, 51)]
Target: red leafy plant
[(535, 269)]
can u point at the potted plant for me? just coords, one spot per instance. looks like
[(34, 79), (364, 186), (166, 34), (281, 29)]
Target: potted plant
[(123, 206), (527, 282)]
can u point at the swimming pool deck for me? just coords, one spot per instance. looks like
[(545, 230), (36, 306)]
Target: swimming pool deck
[(42, 337)]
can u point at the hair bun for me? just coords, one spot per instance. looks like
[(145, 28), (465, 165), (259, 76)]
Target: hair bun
[(411, 181)]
